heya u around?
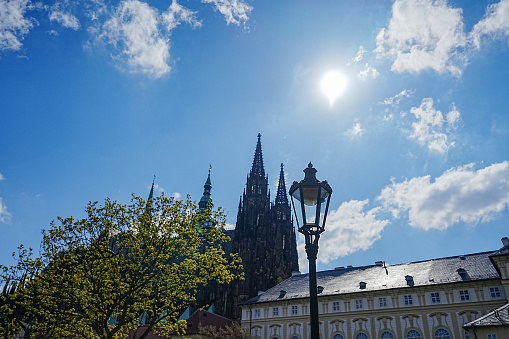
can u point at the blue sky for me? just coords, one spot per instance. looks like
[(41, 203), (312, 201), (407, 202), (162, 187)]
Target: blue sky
[(98, 96)]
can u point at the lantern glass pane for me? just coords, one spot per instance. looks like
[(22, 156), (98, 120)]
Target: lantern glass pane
[(310, 214), (310, 195)]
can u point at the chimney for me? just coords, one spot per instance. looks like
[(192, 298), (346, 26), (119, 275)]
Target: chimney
[(505, 241)]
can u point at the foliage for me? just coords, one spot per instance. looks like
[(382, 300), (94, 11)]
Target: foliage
[(17, 297), (232, 331), (123, 266)]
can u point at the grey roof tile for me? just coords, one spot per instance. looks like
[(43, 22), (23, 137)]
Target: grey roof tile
[(430, 272), (498, 317)]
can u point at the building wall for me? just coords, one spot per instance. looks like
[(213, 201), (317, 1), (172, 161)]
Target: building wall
[(376, 312), (500, 332)]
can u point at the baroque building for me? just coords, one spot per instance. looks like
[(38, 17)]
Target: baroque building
[(432, 299)]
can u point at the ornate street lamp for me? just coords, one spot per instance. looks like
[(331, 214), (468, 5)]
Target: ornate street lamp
[(312, 194)]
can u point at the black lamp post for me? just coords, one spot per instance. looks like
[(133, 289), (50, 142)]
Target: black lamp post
[(312, 194)]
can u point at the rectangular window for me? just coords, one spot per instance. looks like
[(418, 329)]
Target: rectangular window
[(295, 310), (382, 302), (275, 312), (435, 298), (408, 300), (492, 336), (495, 293), (464, 296), (335, 306), (257, 314), (358, 304)]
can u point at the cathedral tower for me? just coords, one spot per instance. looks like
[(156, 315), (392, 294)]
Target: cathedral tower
[(264, 236)]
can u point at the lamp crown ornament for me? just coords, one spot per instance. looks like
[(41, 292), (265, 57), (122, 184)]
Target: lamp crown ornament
[(310, 173)]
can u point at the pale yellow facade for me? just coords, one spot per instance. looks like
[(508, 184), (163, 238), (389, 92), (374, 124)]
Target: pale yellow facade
[(437, 299), (397, 318)]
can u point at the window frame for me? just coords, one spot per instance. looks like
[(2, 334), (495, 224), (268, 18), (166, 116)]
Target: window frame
[(295, 310), (464, 295), (413, 330), (382, 302), (435, 298), (275, 311), (409, 301), (359, 305), (336, 306), (495, 292), (442, 335)]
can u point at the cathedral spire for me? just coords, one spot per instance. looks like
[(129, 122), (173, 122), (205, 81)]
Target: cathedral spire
[(205, 199), (281, 197), (150, 196), (258, 170)]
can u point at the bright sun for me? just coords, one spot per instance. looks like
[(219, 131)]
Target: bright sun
[(333, 84)]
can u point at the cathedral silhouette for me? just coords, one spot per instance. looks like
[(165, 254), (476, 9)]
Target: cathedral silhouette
[(264, 237)]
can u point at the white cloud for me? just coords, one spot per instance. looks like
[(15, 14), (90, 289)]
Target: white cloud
[(65, 19), (141, 35), (1, 177), (229, 226), (234, 11), (4, 214), (358, 57), (176, 195), (459, 194), (157, 188), (13, 23), (133, 29), (349, 229), (428, 129), (177, 14), (368, 72), (356, 130), (394, 101), (494, 24), (424, 34)]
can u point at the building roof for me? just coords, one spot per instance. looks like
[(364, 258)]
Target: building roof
[(498, 317), (382, 276), (204, 318)]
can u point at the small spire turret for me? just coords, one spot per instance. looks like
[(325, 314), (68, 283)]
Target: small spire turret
[(257, 170), (150, 196), (281, 197), (206, 199)]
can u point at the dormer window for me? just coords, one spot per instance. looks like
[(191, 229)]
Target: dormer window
[(319, 289), (409, 280), (463, 274), (362, 285), (282, 293)]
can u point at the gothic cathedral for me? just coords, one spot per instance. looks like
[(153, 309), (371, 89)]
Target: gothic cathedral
[(264, 237)]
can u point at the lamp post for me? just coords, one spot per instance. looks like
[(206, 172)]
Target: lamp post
[(312, 194)]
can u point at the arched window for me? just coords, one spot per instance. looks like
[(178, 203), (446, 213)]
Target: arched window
[(361, 335), (338, 336), (442, 333), (386, 335), (295, 337), (413, 334)]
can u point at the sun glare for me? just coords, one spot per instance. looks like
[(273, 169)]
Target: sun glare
[(333, 84)]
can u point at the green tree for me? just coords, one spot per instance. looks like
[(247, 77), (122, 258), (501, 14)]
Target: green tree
[(126, 265)]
